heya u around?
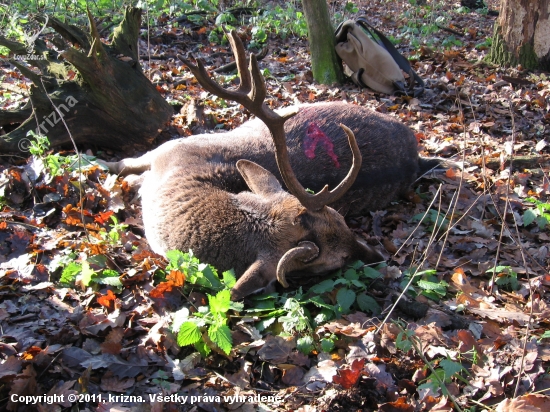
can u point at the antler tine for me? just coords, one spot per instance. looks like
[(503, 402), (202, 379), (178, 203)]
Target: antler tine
[(251, 94), (240, 59)]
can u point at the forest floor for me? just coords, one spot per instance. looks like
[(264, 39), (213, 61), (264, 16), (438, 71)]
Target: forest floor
[(471, 333)]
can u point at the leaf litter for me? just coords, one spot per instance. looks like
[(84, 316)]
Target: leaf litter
[(473, 243)]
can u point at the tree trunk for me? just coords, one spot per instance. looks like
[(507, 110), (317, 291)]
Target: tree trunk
[(325, 64), (522, 34), (98, 90)]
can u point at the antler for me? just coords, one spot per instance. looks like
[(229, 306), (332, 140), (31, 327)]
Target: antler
[(251, 94)]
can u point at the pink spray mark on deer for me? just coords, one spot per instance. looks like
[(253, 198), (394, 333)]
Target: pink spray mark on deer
[(315, 135)]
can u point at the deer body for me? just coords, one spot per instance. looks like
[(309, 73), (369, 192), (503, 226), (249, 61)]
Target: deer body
[(194, 196), (220, 195)]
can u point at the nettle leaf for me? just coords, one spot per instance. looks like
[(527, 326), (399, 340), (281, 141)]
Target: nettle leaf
[(439, 287), (202, 348), (357, 264), (228, 278), (210, 278), (358, 284), (367, 303), (178, 318), (319, 302), (323, 287), (341, 281), (189, 334), (236, 306), (305, 345), (220, 303), (371, 273), (175, 259), (324, 316), (345, 298), (351, 274), (221, 336), (70, 272)]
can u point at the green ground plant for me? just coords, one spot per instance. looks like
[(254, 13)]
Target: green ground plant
[(424, 283), (295, 313)]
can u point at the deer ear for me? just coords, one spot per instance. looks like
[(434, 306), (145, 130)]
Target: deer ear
[(259, 180)]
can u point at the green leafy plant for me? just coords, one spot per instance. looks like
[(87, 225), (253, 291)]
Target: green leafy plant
[(433, 219), (450, 42), (539, 215), (280, 21), (505, 277), (55, 163), (424, 283), (442, 371), (352, 289), (207, 326), (485, 44), (113, 236), (90, 272), (199, 274)]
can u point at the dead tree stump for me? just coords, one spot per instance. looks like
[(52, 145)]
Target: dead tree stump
[(98, 89)]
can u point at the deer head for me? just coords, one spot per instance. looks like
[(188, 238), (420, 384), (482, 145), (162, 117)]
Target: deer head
[(307, 234)]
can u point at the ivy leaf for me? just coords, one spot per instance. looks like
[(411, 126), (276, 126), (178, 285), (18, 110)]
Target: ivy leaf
[(189, 334), (305, 345), (345, 298), (221, 336), (367, 303)]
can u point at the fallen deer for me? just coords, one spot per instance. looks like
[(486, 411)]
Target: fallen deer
[(220, 195)]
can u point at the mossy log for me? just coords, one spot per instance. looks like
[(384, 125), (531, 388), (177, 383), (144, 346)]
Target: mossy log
[(96, 91)]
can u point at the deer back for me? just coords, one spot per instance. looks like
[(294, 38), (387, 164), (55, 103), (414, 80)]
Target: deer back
[(388, 148)]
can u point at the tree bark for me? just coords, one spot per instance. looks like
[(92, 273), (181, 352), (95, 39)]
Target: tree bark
[(108, 103), (325, 64), (522, 34)]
